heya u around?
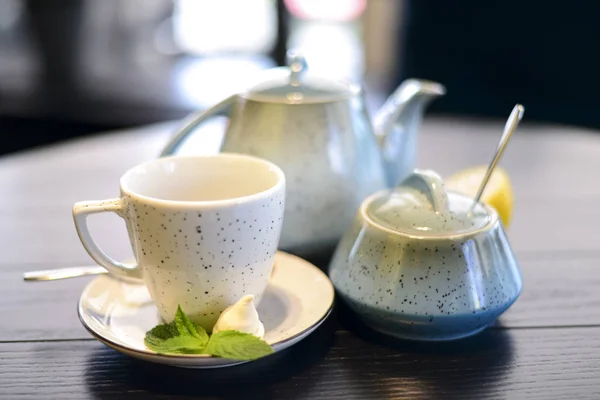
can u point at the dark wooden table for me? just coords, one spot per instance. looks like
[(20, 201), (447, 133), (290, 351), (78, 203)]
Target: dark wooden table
[(546, 346)]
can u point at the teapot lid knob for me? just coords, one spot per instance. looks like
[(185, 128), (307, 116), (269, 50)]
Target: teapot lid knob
[(297, 64), (295, 84)]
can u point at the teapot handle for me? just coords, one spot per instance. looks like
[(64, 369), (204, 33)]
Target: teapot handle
[(192, 121)]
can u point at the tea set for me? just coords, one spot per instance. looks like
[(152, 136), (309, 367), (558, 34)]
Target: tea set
[(301, 173)]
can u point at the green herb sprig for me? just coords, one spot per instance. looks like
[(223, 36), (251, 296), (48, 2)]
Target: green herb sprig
[(182, 336)]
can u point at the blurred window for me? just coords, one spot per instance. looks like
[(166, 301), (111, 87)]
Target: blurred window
[(236, 26), (329, 34)]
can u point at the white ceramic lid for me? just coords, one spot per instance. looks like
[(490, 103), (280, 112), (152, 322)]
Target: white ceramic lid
[(294, 84), (421, 206)]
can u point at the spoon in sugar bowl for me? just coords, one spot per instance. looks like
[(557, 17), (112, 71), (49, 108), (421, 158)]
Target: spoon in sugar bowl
[(511, 126), (420, 263)]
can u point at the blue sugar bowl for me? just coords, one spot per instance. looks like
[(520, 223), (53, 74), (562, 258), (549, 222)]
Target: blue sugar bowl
[(425, 264)]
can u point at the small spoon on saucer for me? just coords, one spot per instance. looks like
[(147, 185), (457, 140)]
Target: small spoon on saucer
[(62, 273), (511, 126), (72, 272)]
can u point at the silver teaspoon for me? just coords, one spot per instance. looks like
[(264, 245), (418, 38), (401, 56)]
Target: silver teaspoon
[(62, 273), (72, 272), (511, 126)]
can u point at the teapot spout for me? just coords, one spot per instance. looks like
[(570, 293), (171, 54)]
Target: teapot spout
[(397, 122)]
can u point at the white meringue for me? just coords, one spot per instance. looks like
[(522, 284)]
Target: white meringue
[(242, 317)]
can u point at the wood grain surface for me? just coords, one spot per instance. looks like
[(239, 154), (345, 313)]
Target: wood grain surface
[(546, 346), (498, 364)]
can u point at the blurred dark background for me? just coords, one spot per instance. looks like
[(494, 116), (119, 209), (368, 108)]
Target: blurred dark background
[(75, 67)]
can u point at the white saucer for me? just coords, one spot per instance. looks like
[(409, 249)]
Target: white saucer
[(298, 299)]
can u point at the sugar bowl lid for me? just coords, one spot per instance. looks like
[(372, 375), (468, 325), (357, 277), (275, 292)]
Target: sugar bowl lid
[(421, 206), (295, 84)]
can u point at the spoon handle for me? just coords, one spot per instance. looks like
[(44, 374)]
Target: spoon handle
[(62, 273), (509, 128)]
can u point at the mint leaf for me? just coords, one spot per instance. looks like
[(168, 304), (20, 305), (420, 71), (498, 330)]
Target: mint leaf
[(237, 346), (185, 327), (163, 332), (174, 345), (181, 336)]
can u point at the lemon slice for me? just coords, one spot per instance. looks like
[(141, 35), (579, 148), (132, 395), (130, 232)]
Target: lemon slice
[(497, 194)]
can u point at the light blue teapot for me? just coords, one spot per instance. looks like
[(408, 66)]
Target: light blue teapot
[(318, 131)]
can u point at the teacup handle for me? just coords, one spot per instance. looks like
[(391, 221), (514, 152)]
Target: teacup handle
[(192, 121), (81, 210)]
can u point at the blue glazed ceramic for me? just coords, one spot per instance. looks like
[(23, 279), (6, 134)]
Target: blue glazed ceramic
[(418, 263)]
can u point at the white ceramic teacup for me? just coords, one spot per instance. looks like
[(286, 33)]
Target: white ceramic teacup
[(204, 230)]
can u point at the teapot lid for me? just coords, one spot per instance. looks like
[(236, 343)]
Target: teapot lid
[(421, 206), (294, 84)]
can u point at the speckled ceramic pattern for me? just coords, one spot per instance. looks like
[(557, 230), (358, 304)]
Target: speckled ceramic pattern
[(426, 288), (204, 255), (204, 258), (119, 313), (318, 132), (330, 159)]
